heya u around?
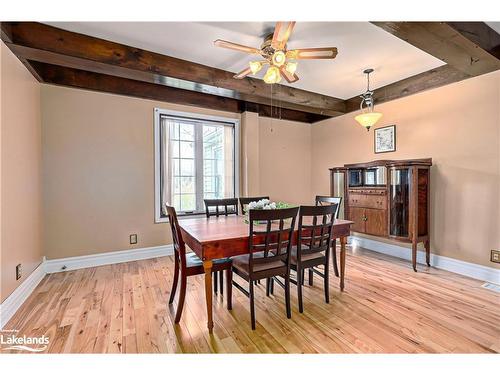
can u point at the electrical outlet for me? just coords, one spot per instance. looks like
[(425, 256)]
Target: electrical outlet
[(133, 239), (495, 256), (19, 272)]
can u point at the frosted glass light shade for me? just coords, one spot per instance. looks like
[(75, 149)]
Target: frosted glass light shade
[(255, 66), (272, 75), (368, 119)]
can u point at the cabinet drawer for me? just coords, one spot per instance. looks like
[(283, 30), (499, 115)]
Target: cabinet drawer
[(368, 201)]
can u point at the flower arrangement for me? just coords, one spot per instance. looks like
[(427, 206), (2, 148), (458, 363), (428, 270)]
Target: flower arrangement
[(265, 204)]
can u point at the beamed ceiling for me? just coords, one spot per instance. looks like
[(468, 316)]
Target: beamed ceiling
[(176, 62)]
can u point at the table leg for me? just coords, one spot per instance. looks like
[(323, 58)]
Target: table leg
[(207, 266), (343, 241)]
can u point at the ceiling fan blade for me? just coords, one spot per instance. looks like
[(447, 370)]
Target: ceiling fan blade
[(243, 73), (282, 33), (291, 78), (312, 53), (236, 47)]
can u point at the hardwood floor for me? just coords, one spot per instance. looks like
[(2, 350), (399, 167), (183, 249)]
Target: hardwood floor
[(385, 308)]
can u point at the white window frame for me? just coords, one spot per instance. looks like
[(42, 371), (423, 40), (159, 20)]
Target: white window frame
[(195, 117)]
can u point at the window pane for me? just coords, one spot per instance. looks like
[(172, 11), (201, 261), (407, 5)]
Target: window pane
[(188, 202), (175, 149), (177, 202), (187, 149), (187, 167), (174, 130), (176, 170), (188, 184), (218, 165), (187, 132), (177, 185)]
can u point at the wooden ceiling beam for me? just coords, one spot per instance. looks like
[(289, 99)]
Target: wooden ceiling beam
[(428, 80), (50, 45), (460, 48), (81, 79)]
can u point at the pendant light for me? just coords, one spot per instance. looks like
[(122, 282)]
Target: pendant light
[(368, 117)]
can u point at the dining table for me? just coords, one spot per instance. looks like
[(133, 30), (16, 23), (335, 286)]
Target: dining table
[(227, 236)]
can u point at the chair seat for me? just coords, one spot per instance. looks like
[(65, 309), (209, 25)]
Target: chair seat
[(305, 257), (193, 260), (241, 262)]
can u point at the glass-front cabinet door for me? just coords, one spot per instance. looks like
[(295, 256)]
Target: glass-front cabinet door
[(399, 201)]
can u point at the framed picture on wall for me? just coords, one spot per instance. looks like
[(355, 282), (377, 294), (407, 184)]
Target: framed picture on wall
[(385, 139)]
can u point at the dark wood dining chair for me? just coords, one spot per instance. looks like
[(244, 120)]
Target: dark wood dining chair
[(322, 200), (244, 201), (189, 264), (216, 207), (269, 247), (313, 244)]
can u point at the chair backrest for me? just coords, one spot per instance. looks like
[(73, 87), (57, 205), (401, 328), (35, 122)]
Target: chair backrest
[(315, 229), (229, 206), (323, 200), (271, 232), (179, 245), (244, 201)]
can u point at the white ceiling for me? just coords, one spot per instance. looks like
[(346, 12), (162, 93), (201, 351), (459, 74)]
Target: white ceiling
[(360, 45)]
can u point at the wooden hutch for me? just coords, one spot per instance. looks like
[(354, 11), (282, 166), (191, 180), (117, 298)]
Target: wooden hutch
[(387, 198)]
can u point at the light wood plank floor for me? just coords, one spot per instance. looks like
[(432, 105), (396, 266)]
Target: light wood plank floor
[(385, 308)]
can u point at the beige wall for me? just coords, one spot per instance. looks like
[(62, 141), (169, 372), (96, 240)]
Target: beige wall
[(285, 160), (459, 127), (98, 164), (20, 171)]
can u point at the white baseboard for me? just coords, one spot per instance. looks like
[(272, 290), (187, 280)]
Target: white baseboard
[(12, 303), (102, 259), (475, 271), (9, 307)]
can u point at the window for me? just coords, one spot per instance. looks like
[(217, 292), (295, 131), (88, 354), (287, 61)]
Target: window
[(196, 157)]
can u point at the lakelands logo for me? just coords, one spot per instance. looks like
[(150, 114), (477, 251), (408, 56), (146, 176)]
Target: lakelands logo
[(9, 340)]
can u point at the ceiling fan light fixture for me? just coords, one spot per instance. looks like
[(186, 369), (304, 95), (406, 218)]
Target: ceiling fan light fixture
[(255, 66), (272, 75), (279, 58)]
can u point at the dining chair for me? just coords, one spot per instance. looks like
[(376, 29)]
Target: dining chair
[(189, 264), (269, 246), (216, 207), (244, 201), (322, 200), (314, 240), (229, 206)]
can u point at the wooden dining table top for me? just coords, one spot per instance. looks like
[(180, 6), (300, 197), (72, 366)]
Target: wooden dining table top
[(223, 236)]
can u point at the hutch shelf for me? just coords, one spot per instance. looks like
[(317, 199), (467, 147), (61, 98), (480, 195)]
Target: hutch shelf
[(387, 198)]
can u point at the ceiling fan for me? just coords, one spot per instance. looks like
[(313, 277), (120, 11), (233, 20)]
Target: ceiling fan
[(274, 52)]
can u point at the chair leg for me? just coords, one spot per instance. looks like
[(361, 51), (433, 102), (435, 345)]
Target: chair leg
[(300, 274), (287, 296), (327, 282), (303, 276), (271, 287), (252, 306), (215, 282), (268, 286), (182, 296), (221, 281), (334, 257), (229, 286), (311, 275), (174, 281)]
